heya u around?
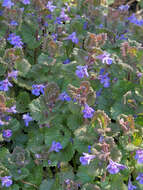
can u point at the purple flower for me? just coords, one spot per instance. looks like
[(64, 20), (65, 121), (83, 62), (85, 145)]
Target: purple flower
[(1, 122), (27, 119), (73, 38), (98, 93), (105, 57), (140, 178), (114, 168), (85, 25), (89, 149), (6, 181), (134, 20), (37, 88), (100, 25), (104, 79), (63, 15), (26, 2), (139, 74), (15, 40), (56, 146), (7, 133), (54, 36), (12, 109), (4, 85), (88, 111), (1, 13), (66, 61), (13, 74), (124, 7), (86, 159), (81, 71), (49, 16), (46, 24), (50, 6), (13, 23), (130, 186), (64, 97), (58, 20), (139, 156), (38, 156), (7, 3)]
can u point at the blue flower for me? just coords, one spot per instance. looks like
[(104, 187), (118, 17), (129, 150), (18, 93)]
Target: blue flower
[(54, 36), (56, 146), (27, 119), (6, 181), (140, 178), (12, 109), (58, 20), (64, 97), (26, 2), (123, 7), (13, 74), (81, 71), (130, 186), (63, 15), (104, 79), (105, 57), (15, 40), (114, 168), (73, 38), (37, 88), (4, 85), (89, 149), (50, 6), (88, 111), (7, 133), (7, 3), (86, 159), (66, 61), (134, 20), (13, 23), (139, 156)]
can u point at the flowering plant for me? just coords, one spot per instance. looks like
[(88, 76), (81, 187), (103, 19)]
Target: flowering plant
[(71, 95)]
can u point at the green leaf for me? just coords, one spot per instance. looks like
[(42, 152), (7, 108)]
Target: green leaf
[(23, 66), (64, 155), (24, 172), (37, 108), (47, 184), (61, 135)]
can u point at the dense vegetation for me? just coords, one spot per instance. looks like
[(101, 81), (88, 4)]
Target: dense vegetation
[(71, 95)]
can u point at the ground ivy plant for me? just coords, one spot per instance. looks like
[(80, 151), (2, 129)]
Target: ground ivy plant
[(71, 95)]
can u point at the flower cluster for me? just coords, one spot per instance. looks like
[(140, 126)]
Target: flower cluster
[(4, 85), (64, 97), (15, 40), (56, 146), (6, 181), (104, 79), (134, 20), (88, 112), (7, 3), (50, 6), (7, 133), (139, 156), (82, 72), (114, 168), (73, 38), (26, 2), (37, 89)]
